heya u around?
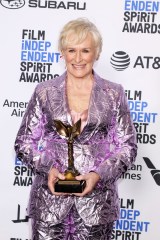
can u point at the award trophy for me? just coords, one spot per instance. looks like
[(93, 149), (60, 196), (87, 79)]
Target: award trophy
[(70, 184)]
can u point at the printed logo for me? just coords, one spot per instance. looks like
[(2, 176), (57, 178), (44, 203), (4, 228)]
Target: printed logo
[(142, 117), (18, 218), (155, 172), (120, 60), (130, 225), (12, 4), (23, 174), (37, 57), (133, 173), (17, 108), (141, 17), (71, 5), (43, 4)]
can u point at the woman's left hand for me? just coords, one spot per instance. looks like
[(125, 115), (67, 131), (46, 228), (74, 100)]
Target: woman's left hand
[(91, 179)]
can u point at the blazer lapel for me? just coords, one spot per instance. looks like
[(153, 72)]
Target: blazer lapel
[(97, 108), (57, 100)]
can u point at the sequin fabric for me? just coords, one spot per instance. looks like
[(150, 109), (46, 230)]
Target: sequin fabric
[(106, 145), (72, 228)]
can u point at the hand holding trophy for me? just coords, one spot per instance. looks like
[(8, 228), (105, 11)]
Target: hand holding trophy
[(70, 184)]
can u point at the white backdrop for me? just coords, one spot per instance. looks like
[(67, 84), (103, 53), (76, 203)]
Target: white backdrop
[(128, 28)]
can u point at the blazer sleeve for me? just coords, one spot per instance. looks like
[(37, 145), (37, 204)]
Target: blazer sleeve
[(28, 140), (122, 137)]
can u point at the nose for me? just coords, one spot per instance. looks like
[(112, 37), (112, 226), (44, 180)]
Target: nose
[(78, 56)]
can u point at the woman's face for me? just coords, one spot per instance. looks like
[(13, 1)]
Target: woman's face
[(79, 58)]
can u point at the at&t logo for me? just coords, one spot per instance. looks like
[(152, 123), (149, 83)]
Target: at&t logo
[(120, 60), (12, 4)]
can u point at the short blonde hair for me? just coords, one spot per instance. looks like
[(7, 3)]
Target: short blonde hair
[(80, 27)]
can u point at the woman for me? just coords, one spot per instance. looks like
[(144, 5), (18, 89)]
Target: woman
[(105, 148)]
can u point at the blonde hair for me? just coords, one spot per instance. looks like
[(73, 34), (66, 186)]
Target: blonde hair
[(80, 28)]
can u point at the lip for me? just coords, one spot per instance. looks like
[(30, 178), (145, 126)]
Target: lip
[(77, 66)]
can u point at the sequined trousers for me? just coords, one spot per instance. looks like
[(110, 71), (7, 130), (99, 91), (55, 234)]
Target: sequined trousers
[(72, 228)]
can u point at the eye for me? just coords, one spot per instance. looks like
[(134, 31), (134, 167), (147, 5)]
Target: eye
[(71, 50), (86, 50)]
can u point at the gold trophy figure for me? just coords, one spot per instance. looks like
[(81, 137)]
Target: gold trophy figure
[(70, 184)]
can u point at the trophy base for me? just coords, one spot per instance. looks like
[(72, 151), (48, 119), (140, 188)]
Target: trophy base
[(70, 186)]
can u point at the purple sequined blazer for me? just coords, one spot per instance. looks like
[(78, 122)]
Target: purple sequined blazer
[(107, 145)]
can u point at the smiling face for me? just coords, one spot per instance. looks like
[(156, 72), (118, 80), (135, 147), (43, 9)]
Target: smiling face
[(80, 57)]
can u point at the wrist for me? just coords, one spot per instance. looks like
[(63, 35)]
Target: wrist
[(96, 174)]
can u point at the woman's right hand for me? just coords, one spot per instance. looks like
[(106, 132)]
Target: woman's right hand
[(53, 176)]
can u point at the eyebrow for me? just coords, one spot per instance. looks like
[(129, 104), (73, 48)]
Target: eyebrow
[(75, 48)]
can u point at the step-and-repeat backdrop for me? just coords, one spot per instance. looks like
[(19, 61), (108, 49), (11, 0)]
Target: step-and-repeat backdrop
[(29, 33)]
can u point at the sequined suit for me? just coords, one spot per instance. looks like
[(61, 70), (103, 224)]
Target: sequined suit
[(107, 145)]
